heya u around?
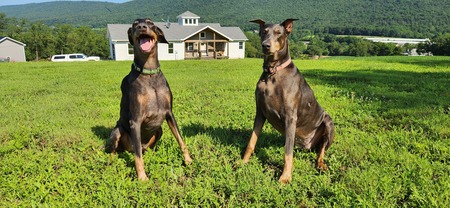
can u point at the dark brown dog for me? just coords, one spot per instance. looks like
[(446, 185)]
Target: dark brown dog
[(285, 99), (146, 98)]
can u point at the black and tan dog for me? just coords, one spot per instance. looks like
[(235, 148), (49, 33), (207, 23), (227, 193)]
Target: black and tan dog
[(146, 98), (285, 99)]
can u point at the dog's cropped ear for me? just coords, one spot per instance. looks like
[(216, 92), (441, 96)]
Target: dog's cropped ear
[(130, 37), (259, 21), (161, 37), (287, 24), (261, 24)]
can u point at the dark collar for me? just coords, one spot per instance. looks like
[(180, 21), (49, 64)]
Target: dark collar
[(274, 69), (144, 70)]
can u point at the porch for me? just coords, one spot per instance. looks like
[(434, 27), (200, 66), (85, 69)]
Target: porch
[(206, 49)]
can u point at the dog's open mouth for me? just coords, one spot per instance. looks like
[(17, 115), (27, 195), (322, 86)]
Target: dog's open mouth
[(146, 43)]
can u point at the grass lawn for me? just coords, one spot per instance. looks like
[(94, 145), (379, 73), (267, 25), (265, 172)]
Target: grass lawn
[(392, 146)]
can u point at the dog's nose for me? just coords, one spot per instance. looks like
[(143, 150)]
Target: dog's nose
[(266, 46), (142, 27)]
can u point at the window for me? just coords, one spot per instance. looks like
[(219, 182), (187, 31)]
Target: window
[(195, 21), (190, 21), (241, 45), (170, 48), (202, 35), (130, 49), (189, 46), (113, 51), (185, 21), (73, 57)]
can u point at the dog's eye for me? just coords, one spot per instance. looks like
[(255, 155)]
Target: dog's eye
[(149, 22), (277, 32)]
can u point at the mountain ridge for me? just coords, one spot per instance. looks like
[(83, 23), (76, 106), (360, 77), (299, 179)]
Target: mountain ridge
[(407, 18)]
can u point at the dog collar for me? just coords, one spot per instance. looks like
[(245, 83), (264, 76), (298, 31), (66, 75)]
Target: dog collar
[(274, 69), (145, 71)]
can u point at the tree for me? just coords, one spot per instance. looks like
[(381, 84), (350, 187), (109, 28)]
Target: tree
[(296, 49), (385, 49), (423, 48), (84, 40), (441, 45), (61, 34), (438, 46), (39, 40), (253, 45), (337, 49), (360, 48), (16, 28), (101, 42), (317, 47), (3, 21)]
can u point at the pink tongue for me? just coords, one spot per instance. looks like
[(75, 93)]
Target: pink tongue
[(146, 44)]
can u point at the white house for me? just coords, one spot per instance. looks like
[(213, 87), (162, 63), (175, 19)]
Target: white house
[(188, 39), (12, 50)]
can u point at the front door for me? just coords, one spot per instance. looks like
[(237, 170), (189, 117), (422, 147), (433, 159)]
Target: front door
[(204, 49)]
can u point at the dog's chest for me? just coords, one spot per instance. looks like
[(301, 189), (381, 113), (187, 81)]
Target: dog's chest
[(151, 99), (269, 97)]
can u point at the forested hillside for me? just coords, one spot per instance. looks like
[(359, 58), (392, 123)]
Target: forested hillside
[(69, 27), (400, 18)]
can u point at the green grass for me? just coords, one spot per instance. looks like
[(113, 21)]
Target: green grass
[(391, 148)]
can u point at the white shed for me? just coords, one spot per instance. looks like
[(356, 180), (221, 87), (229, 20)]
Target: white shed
[(12, 50)]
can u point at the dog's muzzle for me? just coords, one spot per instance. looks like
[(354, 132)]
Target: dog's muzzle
[(146, 43)]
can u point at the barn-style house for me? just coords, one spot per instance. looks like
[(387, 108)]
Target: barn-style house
[(188, 39)]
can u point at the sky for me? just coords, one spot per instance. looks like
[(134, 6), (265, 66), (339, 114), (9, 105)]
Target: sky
[(17, 2)]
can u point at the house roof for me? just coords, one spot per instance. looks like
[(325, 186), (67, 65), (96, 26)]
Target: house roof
[(175, 32), (188, 14), (2, 39)]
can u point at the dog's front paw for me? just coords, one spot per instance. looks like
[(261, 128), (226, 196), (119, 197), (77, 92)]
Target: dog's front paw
[(143, 178), (284, 179), (187, 159), (238, 163), (322, 166), (245, 160)]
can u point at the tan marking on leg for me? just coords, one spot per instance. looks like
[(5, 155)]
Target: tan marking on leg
[(174, 128), (286, 177), (139, 163), (250, 147), (320, 163)]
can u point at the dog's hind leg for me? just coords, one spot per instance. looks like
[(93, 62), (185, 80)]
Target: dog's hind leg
[(327, 140), (114, 139), (153, 140)]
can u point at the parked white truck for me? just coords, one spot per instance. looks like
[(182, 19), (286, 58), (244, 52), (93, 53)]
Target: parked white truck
[(74, 57)]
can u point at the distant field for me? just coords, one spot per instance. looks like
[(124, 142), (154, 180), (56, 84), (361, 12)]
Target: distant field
[(392, 146)]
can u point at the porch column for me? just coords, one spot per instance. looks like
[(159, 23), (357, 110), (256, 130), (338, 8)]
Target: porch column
[(228, 49), (199, 47), (214, 46)]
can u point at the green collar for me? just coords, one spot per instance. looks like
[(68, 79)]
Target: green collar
[(146, 71)]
